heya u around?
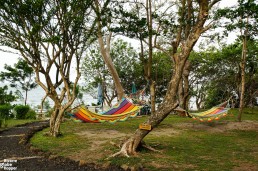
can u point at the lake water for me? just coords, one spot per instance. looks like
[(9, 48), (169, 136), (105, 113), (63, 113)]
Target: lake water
[(35, 96)]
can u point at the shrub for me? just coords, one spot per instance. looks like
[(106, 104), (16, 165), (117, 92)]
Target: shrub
[(5, 111), (21, 111), (31, 114), (49, 112)]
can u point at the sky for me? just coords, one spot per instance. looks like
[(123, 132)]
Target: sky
[(10, 59)]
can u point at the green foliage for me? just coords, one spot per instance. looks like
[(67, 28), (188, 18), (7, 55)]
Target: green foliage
[(162, 72), (126, 62), (129, 21), (214, 97), (31, 114), (6, 97), (47, 105), (49, 112), (5, 111), (34, 27), (235, 18), (21, 111), (21, 76), (216, 73)]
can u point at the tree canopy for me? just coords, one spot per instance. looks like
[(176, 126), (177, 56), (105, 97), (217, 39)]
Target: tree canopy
[(21, 76)]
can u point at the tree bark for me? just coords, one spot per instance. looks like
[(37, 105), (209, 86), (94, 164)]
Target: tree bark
[(242, 67), (55, 121), (152, 93), (149, 73), (242, 91), (184, 87)]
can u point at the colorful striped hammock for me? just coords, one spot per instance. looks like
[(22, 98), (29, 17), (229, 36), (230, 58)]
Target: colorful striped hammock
[(120, 112), (215, 113)]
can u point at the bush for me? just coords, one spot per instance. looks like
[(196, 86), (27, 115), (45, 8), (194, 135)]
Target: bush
[(31, 114), (5, 111), (49, 112), (21, 111)]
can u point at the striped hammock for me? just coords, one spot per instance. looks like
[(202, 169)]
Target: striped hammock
[(215, 113), (120, 112)]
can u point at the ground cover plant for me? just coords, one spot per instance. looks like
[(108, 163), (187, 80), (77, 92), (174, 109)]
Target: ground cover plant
[(183, 144)]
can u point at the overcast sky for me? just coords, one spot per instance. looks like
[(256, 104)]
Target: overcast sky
[(10, 59)]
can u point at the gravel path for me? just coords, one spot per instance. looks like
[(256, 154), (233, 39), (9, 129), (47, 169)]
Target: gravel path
[(17, 154)]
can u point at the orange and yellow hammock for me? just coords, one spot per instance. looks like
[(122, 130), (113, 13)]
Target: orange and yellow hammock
[(215, 113), (120, 112)]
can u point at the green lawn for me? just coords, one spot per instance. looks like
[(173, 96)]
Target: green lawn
[(13, 122), (184, 144)]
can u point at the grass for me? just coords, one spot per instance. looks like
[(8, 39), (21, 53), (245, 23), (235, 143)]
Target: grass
[(13, 122), (190, 145)]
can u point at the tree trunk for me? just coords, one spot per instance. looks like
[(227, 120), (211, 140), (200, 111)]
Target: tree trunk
[(181, 93), (242, 66), (26, 97), (149, 73), (152, 93), (183, 90), (55, 121), (108, 61), (169, 104), (105, 52)]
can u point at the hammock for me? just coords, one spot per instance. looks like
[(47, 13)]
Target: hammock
[(215, 113), (120, 112)]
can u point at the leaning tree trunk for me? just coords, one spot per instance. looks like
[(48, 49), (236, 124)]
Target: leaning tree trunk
[(169, 104), (105, 52)]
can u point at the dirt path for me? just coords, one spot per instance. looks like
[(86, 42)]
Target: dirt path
[(16, 153)]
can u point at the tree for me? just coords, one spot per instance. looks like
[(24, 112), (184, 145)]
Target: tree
[(5, 103), (6, 97), (51, 36), (243, 18), (21, 76), (137, 23), (182, 36), (217, 73), (104, 36)]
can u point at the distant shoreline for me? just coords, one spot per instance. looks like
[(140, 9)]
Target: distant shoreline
[(35, 96)]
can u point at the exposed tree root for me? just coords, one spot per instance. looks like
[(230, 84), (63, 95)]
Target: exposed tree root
[(120, 153), (150, 148), (115, 144), (127, 149)]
